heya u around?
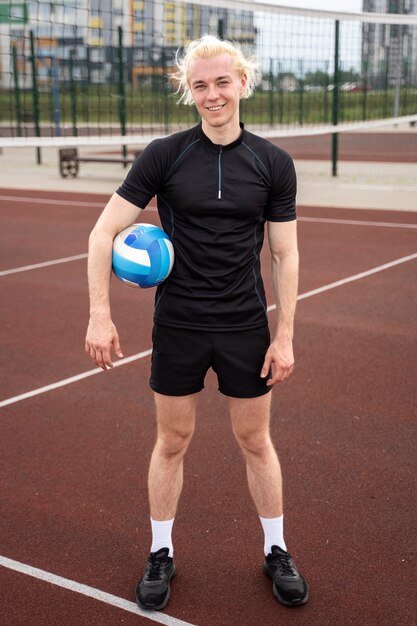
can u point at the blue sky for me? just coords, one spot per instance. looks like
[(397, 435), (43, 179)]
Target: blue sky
[(301, 45)]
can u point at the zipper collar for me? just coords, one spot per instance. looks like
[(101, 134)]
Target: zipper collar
[(219, 147)]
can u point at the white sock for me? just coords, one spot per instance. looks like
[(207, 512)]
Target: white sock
[(162, 535), (273, 528)]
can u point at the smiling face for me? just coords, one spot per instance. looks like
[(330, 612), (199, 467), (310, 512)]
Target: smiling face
[(216, 88)]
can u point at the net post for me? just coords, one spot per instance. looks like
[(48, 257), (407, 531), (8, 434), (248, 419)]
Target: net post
[(336, 103), (17, 93), (122, 95), (220, 28), (35, 95)]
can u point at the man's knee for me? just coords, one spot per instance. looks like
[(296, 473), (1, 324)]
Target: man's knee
[(175, 419), (173, 442), (254, 442)]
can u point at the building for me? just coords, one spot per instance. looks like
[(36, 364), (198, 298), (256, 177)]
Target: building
[(159, 28), (80, 40), (387, 50)]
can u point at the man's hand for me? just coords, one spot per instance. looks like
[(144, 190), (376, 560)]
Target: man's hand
[(101, 339), (280, 357)]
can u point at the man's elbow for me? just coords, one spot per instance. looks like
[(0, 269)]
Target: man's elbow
[(286, 254)]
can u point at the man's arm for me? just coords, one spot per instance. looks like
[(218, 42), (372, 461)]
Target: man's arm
[(282, 238), (102, 335)]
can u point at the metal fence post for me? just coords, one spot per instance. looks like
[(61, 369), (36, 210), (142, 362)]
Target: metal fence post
[(73, 94), (271, 92), (17, 93), (165, 91), (35, 96), (336, 103), (122, 95)]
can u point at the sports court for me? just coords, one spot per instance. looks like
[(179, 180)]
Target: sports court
[(75, 441)]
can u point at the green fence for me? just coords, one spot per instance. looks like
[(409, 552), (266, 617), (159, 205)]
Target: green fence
[(90, 67)]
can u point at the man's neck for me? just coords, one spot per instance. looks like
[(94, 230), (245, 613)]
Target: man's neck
[(223, 135)]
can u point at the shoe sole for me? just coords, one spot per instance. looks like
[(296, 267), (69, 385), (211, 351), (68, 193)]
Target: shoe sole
[(152, 607), (280, 598)]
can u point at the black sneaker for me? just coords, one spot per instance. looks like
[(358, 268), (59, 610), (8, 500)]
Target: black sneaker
[(153, 590), (288, 585)]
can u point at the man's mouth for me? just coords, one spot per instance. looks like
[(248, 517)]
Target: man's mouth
[(216, 108)]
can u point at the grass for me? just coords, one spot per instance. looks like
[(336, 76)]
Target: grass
[(99, 104)]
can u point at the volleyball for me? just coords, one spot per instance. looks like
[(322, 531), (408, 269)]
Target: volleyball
[(143, 255)]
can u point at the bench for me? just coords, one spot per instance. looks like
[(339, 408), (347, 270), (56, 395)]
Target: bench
[(69, 160)]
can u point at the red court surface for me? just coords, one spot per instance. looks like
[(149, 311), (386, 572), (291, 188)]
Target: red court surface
[(74, 457), (390, 147)]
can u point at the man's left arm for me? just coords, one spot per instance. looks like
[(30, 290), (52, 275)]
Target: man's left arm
[(282, 238)]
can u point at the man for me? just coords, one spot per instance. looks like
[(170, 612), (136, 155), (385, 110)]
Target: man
[(216, 186)]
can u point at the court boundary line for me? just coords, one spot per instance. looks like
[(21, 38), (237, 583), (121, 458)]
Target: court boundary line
[(92, 204), (91, 592), (319, 220), (74, 379), (335, 220), (35, 266), (141, 355), (105, 597), (54, 201)]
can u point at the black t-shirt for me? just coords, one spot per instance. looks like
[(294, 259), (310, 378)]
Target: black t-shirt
[(213, 202)]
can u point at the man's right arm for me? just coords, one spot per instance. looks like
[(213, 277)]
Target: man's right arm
[(102, 336)]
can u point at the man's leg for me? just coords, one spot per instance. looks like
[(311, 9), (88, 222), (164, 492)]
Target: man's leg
[(250, 423), (175, 423), (175, 427)]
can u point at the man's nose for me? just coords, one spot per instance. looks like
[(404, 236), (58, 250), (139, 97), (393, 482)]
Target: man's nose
[(213, 92)]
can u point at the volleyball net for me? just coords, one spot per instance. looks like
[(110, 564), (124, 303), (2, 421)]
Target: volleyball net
[(90, 72)]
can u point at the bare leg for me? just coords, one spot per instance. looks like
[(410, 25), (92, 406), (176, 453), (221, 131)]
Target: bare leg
[(250, 423), (175, 421)]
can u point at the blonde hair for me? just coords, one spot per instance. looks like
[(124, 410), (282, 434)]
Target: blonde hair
[(207, 47)]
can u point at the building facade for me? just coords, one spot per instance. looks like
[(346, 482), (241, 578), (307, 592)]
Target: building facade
[(81, 40), (389, 52)]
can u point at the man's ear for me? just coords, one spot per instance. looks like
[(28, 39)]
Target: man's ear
[(244, 80)]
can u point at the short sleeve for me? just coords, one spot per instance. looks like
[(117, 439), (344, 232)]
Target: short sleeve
[(282, 197), (144, 178)]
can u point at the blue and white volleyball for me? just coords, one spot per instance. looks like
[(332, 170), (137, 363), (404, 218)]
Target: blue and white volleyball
[(143, 255)]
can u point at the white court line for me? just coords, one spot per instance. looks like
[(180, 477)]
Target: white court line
[(328, 220), (325, 220), (102, 204), (101, 595), (74, 379), (56, 201), (91, 592), (30, 200), (36, 266), (351, 279), (141, 355), (365, 187)]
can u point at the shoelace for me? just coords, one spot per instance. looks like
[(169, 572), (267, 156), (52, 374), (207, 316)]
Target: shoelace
[(154, 572), (283, 561)]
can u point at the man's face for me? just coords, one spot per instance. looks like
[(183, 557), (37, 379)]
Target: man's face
[(216, 88)]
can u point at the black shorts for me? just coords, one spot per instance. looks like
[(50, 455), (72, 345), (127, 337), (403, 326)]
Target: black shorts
[(182, 357)]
